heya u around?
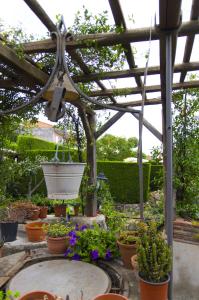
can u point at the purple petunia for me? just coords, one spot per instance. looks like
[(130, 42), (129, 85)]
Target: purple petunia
[(72, 241), (76, 227), (83, 227), (108, 254), (68, 251), (72, 234), (94, 254), (76, 257)]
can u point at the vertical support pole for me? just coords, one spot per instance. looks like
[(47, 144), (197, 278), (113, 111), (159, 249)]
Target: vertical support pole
[(140, 165), (91, 205), (168, 149)]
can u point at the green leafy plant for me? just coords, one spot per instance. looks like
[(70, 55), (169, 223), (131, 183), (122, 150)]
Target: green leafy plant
[(40, 200), (91, 244), (188, 210), (154, 255), (128, 237), (57, 229), (9, 295)]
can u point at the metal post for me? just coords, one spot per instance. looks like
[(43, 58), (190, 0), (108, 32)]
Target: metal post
[(140, 164), (168, 148)]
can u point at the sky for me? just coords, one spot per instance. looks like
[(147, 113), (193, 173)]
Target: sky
[(17, 13)]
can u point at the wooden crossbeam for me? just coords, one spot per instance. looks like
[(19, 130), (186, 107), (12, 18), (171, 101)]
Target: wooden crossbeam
[(190, 38), (137, 90), (9, 56), (192, 66), (109, 39)]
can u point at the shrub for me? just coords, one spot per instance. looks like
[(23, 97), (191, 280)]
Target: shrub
[(156, 178), (188, 210), (154, 255)]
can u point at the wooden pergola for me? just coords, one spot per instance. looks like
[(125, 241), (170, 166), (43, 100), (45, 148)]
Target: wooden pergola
[(25, 77)]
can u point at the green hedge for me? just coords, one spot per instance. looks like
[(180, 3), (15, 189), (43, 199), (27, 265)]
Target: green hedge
[(28, 142), (49, 154), (156, 179), (123, 179)]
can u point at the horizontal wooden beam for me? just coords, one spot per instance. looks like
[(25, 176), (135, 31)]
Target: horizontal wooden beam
[(137, 90), (193, 66), (9, 56), (109, 39)]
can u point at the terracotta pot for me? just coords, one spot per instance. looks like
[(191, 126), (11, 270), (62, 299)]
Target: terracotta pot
[(58, 245), (33, 214), (127, 251), (35, 231), (37, 295), (134, 262), (43, 212), (60, 210), (110, 297), (76, 210), (153, 291)]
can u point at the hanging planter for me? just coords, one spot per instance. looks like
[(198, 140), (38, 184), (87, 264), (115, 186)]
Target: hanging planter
[(63, 179)]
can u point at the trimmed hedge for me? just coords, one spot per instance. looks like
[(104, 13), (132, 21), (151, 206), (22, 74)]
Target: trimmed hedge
[(123, 179), (156, 179), (49, 154), (28, 142)]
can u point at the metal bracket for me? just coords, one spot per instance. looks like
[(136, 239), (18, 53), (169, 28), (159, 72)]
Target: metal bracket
[(55, 109)]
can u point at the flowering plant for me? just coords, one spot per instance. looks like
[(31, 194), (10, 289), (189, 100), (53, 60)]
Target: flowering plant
[(91, 244), (56, 229)]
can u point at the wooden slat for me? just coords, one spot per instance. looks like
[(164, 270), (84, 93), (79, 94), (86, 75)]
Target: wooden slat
[(190, 39), (109, 39)]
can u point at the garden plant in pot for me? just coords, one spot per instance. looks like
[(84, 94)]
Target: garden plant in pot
[(59, 208), (31, 210), (57, 237), (154, 262), (8, 224), (127, 246), (42, 203), (35, 231)]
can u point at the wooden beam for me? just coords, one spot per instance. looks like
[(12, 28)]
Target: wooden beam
[(8, 56), (137, 90), (41, 14), (193, 66), (190, 38), (108, 124), (109, 39)]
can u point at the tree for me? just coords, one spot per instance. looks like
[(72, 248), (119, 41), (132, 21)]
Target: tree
[(186, 145), (111, 147)]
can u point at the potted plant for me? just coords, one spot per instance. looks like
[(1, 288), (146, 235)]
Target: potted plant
[(127, 246), (31, 210), (59, 208), (110, 296), (38, 295), (154, 262), (57, 237), (8, 224), (35, 231), (42, 203)]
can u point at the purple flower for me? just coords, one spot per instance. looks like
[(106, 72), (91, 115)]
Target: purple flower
[(83, 227), (76, 257), (68, 251), (76, 227), (72, 234), (72, 241), (94, 254), (108, 254)]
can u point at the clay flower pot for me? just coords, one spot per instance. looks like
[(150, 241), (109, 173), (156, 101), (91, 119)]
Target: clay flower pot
[(155, 291), (37, 295), (134, 262), (33, 214), (58, 245), (127, 251), (60, 210), (43, 212), (110, 297), (35, 231)]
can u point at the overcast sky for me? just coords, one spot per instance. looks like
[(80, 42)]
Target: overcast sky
[(16, 12)]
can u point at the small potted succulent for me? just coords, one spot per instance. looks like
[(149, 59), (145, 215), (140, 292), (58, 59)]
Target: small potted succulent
[(127, 246), (8, 224), (57, 237), (154, 262)]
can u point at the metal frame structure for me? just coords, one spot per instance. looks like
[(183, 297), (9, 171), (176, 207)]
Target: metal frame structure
[(15, 73)]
